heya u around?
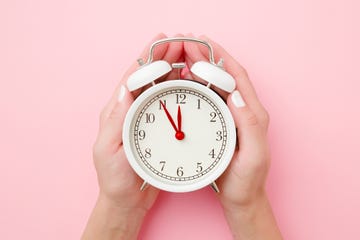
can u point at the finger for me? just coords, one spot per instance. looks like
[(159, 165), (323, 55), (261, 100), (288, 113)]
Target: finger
[(187, 49), (174, 54), (192, 55), (110, 136), (174, 50), (243, 83), (176, 73), (186, 74), (251, 134), (159, 53), (193, 52)]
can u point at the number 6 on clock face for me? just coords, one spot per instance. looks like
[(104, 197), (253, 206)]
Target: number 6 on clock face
[(179, 136)]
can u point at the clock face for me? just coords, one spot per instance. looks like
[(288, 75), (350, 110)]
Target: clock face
[(179, 135)]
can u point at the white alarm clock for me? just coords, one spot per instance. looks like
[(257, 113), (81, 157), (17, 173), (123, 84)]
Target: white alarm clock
[(179, 135)]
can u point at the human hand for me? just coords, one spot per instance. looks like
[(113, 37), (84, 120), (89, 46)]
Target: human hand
[(121, 206), (242, 186)]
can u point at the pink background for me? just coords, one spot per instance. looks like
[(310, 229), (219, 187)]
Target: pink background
[(60, 61)]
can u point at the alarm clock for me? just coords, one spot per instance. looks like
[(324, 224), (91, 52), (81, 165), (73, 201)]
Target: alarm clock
[(179, 135)]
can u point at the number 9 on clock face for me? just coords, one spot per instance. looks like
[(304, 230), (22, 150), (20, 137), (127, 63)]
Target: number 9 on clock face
[(179, 136)]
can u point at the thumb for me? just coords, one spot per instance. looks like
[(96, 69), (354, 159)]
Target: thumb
[(110, 136)]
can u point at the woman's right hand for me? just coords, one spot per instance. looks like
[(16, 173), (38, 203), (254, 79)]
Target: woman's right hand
[(242, 186)]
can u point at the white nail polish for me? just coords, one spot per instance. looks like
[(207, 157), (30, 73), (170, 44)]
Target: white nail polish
[(237, 99), (121, 93)]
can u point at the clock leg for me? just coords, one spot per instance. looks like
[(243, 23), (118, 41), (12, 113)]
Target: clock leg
[(214, 187), (143, 186)]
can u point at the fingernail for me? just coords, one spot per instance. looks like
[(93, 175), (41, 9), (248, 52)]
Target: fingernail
[(237, 99), (121, 93)]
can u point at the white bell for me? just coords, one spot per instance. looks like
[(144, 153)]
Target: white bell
[(214, 75), (147, 74)]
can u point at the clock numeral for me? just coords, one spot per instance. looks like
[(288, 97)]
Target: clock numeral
[(149, 117), (160, 105), (180, 98), (147, 152), (213, 116), (212, 153), (162, 163), (141, 134), (198, 104), (199, 168), (180, 171), (219, 135)]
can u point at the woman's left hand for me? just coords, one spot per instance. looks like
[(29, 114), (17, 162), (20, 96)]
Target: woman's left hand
[(121, 206)]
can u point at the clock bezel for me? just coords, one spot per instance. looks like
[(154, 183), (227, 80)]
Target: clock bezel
[(206, 179)]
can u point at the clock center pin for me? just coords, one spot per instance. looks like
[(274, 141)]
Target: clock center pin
[(179, 135)]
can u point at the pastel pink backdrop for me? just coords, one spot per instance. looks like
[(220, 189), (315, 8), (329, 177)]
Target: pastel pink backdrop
[(60, 61)]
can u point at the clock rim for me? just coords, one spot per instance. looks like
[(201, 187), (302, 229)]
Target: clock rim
[(207, 179)]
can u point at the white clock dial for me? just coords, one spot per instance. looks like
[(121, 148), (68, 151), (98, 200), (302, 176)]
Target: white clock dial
[(180, 135)]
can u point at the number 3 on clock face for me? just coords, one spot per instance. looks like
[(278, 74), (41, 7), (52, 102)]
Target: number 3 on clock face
[(179, 136)]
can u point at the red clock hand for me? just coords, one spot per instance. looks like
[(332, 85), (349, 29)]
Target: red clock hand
[(169, 116), (179, 118), (179, 134)]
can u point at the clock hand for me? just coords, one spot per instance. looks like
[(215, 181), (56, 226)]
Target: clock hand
[(169, 116), (179, 118), (179, 134)]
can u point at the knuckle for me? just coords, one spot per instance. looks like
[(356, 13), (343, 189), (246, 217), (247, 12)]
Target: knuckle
[(265, 117), (251, 119), (241, 73), (244, 72)]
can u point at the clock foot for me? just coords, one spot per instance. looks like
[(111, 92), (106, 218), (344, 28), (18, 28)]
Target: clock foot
[(143, 186), (214, 187)]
